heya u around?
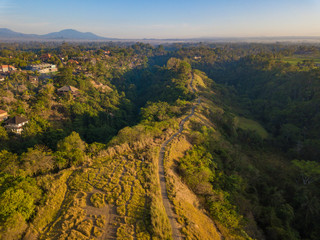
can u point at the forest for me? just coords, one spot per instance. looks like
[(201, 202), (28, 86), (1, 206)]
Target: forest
[(83, 163)]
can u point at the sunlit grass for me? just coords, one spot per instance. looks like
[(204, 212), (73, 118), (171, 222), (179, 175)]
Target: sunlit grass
[(249, 124)]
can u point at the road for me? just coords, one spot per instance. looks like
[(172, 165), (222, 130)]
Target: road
[(166, 203)]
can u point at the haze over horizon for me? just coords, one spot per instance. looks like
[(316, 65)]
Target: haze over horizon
[(165, 19)]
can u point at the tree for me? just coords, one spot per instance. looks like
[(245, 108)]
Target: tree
[(8, 162), (3, 134), (65, 76), (309, 170), (16, 201), (72, 148), (156, 111), (38, 159)]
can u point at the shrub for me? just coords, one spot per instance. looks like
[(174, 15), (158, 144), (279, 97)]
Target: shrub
[(97, 200)]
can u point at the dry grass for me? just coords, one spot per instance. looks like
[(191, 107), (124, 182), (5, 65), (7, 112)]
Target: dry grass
[(56, 189), (195, 223)]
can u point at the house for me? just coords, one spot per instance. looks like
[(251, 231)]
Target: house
[(3, 115), (2, 77), (68, 89), (44, 68), (16, 124), (7, 68)]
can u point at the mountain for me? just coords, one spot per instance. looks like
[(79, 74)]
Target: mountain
[(72, 34), (66, 34), (9, 34)]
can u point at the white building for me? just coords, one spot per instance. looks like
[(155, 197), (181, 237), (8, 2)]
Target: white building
[(16, 124), (44, 68)]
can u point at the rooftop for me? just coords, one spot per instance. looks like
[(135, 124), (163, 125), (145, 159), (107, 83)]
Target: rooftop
[(68, 89), (16, 120)]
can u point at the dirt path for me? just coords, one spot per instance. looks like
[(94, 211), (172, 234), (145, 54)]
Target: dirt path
[(166, 203)]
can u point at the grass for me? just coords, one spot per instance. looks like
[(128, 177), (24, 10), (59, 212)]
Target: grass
[(249, 124), (56, 190), (121, 177), (195, 224), (299, 58)]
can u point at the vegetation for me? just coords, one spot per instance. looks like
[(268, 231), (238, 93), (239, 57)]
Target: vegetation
[(85, 165)]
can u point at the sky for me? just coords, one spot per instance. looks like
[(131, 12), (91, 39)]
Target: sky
[(165, 18)]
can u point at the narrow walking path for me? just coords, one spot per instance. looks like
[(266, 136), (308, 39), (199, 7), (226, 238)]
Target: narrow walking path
[(166, 203)]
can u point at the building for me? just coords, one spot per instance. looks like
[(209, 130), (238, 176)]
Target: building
[(3, 115), (7, 68), (68, 89), (16, 124), (44, 68)]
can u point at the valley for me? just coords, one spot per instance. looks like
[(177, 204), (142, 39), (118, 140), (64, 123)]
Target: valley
[(176, 141)]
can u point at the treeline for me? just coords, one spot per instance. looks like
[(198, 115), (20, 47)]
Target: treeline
[(272, 173), (283, 97)]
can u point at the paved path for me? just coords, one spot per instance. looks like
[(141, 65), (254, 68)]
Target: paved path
[(166, 203)]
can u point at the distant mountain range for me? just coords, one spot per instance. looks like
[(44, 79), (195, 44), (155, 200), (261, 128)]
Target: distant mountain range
[(74, 35), (67, 34)]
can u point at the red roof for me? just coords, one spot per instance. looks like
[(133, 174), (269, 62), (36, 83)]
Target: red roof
[(7, 66), (2, 111)]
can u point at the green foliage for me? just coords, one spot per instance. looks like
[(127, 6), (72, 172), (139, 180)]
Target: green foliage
[(308, 170), (198, 169), (72, 148), (249, 124), (37, 160), (8, 162), (3, 134), (235, 165), (225, 213), (159, 111), (16, 201)]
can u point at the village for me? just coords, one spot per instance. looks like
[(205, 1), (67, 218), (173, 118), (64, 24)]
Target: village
[(34, 73), (59, 72)]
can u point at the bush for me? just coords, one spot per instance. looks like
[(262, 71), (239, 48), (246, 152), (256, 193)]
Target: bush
[(97, 200)]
